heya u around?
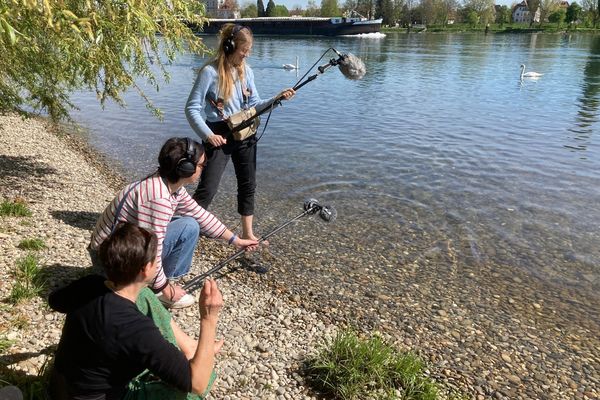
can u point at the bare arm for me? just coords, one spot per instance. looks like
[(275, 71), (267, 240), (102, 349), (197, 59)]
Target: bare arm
[(203, 361), (184, 341)]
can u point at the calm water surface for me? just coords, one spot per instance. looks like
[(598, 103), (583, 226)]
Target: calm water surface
[(440, 138)]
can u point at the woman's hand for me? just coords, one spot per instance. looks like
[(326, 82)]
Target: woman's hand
[(287, 94), (216, 140), (248, 244), (211, 301)]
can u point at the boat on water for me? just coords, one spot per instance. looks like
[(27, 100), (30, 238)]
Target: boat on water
[(321, 26)]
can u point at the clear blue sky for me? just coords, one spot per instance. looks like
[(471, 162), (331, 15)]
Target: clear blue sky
[(302, 3)]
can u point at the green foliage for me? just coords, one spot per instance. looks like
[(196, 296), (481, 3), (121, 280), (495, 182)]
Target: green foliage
[(5, 344), (16, 208), (32, 244), (260, 8), (281, 11), (270, 11), (311, 9), (354, 368), (558, 17), (573, 12), (472, 18), (503, 15), (50, 48), (249, 11), (28, 279), (329, 8)]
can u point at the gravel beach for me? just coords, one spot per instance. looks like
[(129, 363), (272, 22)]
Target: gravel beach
[(486, 334)]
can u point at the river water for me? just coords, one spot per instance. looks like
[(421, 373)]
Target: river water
[(440, 149)]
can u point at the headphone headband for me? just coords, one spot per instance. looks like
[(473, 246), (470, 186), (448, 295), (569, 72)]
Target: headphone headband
[(229, 42), (186, 166)]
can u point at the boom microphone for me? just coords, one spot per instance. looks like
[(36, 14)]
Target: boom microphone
[(311, 207), (350, 66)]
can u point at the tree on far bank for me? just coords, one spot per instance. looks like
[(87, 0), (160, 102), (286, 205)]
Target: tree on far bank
[(503, 15), (558, 17), (573, 13), (249, 10), (483, 8), (311, 9), (329, 8), (546, 8), (533, 8), (281, 11), (384, 9), (260, 8), (270, 12), (592, 11), (51, 49)]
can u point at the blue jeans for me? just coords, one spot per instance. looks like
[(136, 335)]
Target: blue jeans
[(179, 245)]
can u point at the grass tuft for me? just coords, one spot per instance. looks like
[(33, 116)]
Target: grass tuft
[(16, 208), (5, 344), (29, 282), (351, 368), (32, 244)]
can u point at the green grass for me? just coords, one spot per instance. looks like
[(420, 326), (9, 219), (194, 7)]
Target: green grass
[(32, 244), (28, 279), (5, 344), (351, 367), (14, 209)]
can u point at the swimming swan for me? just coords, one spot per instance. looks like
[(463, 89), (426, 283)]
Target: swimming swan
[(291, 66), (529, 74)]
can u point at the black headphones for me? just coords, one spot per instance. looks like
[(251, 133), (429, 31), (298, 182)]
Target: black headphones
[(228, 42), (186, 166)]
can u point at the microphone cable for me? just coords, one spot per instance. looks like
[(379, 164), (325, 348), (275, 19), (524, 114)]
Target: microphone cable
[(312, 67), (272, 107)]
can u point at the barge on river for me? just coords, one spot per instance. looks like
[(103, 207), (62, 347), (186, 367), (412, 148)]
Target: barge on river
[(335, 26)]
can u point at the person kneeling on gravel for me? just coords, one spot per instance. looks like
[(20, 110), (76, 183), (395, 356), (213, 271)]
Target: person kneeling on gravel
[(161, 203), (119, 342)]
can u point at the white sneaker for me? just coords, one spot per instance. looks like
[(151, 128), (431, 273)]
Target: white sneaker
[(185, 301)]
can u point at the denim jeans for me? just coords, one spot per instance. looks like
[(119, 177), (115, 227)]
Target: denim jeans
[(179, 245)]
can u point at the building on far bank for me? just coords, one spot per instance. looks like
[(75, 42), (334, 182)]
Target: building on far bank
[(521, 14), (221, 8)]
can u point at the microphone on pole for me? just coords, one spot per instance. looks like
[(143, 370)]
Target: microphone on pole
[(350, 66)]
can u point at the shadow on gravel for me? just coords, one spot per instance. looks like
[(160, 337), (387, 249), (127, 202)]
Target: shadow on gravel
[(14, 358), (23, 167), (59, 275), (78, 219)]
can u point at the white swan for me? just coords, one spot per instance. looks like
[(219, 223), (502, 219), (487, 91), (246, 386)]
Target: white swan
[(529, 74), (291, 66)]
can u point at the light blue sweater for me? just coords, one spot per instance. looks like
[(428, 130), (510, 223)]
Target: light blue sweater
[(206, 88)]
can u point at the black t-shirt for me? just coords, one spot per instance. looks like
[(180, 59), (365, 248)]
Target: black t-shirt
[(106, 341)]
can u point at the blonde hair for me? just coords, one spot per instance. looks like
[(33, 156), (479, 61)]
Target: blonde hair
[(241, 37)]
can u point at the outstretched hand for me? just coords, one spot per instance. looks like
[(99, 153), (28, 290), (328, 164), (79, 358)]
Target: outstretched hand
[(287, 94), (211, 300), (247, 244)]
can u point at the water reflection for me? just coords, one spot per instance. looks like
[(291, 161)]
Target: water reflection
[(589, 101)]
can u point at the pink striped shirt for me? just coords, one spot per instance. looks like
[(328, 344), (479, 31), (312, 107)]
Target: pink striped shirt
[(150, 205)]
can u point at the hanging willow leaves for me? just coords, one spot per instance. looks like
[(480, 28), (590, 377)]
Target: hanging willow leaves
[(49, 48)]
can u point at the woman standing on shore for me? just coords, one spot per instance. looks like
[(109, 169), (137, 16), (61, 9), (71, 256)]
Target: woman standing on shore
[(225, 86)]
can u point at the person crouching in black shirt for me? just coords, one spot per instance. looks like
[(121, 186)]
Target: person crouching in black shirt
[(111, 348)]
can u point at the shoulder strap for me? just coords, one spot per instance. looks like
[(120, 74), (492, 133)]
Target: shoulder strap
[(120, 206)]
